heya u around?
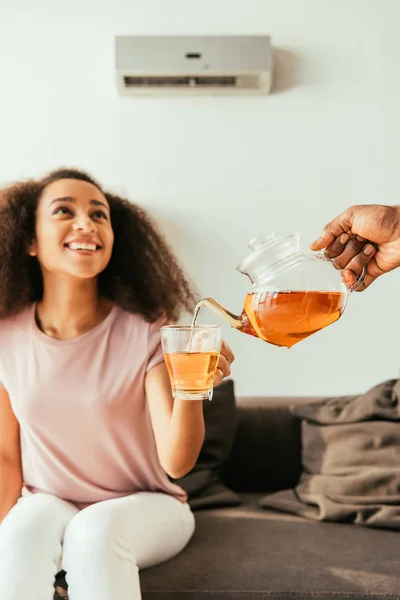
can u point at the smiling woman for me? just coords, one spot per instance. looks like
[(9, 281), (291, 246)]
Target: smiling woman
[(82, 243), (87, 418), (74, 233), (135, 266)]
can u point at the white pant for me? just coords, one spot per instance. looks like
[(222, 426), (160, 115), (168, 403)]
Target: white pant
[(101, 547)]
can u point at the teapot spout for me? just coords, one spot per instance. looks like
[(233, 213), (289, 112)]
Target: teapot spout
[(226, 315)]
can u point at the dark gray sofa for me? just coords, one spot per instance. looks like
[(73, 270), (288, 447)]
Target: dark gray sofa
[(246, 552)]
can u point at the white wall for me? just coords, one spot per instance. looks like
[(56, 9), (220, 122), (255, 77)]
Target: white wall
[(216, 171)]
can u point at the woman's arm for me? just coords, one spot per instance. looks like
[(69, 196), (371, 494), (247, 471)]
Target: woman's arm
[(178, 425), (10, 456)]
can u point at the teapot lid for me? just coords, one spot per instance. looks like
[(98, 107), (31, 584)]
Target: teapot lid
[(267, 251)]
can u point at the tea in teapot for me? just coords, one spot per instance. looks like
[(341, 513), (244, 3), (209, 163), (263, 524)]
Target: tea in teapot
[(293, 294)]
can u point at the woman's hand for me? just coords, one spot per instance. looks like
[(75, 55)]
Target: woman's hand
[(226, 358)]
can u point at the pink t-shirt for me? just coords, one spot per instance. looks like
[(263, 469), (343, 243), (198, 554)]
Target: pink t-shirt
[(86, 434)]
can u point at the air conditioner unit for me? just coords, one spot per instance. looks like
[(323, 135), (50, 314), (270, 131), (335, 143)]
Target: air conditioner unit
[(165, 65)]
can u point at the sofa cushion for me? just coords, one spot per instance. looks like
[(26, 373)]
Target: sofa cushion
[(267, 449), (351, 460), (247, 553), (203, 483)]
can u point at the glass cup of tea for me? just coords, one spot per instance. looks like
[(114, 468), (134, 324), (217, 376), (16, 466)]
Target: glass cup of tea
[(191, 355)]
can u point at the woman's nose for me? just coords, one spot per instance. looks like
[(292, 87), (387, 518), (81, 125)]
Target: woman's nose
[(83, 223)]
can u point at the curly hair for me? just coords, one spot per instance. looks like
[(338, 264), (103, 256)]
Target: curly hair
[(143, 275)]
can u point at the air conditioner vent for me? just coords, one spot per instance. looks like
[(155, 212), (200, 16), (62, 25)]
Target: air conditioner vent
[(190, 81)]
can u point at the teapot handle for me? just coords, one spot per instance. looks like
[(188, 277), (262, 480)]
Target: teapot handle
[(359, 281)]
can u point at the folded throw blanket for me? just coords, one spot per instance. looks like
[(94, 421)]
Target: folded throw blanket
[(351, 460)]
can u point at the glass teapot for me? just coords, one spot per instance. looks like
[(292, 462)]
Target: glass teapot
[(293, 294)]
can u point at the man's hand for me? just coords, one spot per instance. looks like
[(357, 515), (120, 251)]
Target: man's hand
[(363, 236), (226, 358)]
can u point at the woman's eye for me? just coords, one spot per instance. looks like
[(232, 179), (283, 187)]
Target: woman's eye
[(100, 214), (62, 210)]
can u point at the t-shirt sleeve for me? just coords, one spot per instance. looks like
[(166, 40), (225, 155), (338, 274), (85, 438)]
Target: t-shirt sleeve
[(155, 351)]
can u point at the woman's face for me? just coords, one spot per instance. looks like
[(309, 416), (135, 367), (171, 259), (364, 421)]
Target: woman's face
[(73, 229)]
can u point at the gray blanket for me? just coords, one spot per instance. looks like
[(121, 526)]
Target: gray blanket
[(351, 460)]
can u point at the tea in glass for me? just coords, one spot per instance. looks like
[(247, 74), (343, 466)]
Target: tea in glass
[(191, 355)]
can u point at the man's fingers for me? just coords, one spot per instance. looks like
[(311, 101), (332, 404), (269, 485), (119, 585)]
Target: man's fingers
[(344, 248), (358, 262), (355, 256), (350, 279)]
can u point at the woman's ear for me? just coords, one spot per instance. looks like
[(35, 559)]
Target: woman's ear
[(32, 248)]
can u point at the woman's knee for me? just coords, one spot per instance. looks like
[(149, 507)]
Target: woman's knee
[(91, 535), (34, 528), (21, 529), (22, 545)]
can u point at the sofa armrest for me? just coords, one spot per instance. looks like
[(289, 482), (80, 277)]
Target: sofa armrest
[(266, 454)]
